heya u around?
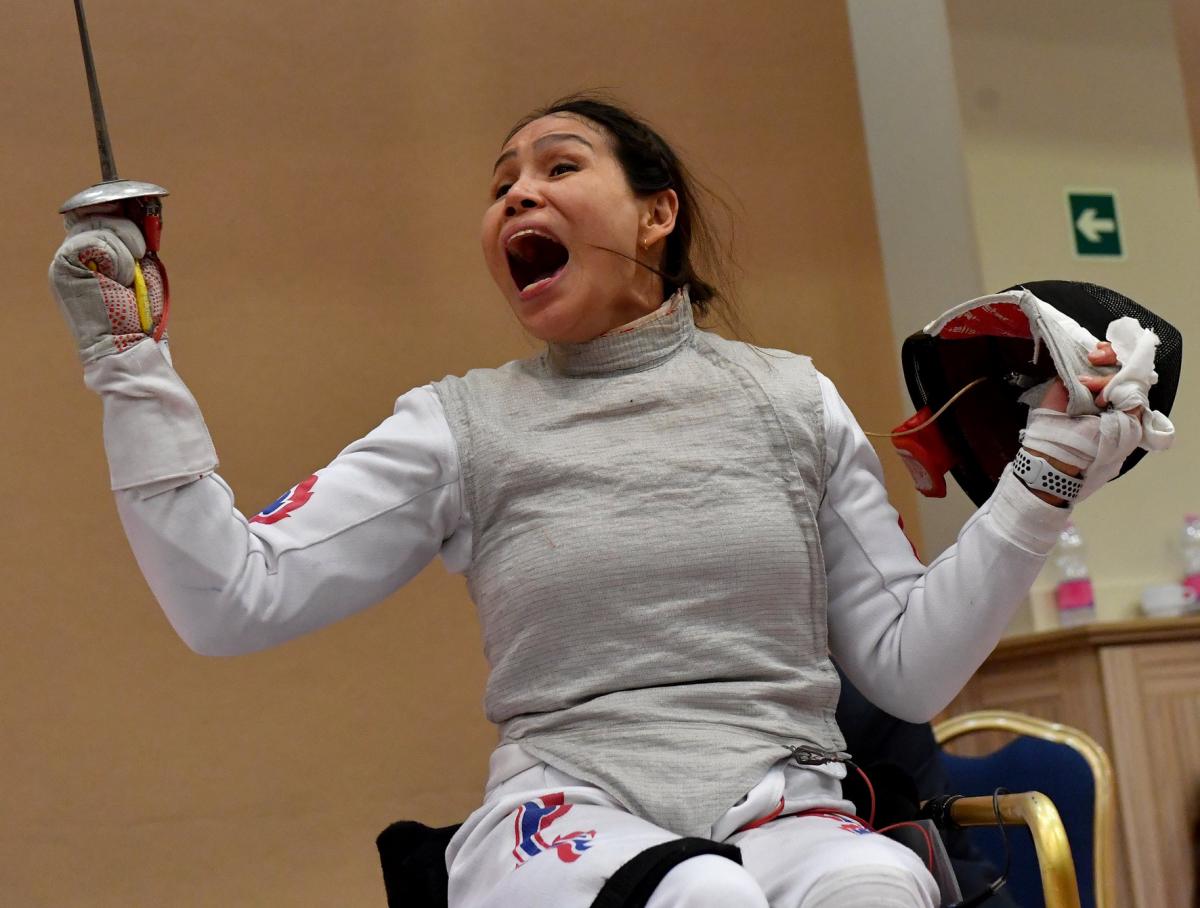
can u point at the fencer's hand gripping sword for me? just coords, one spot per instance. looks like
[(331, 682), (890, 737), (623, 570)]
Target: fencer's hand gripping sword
[(140, 202)]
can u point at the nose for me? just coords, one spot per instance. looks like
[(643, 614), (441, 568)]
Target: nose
[(521, 196)]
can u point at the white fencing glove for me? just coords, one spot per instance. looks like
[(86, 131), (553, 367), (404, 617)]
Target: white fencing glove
[(154, 433), (110, 292)]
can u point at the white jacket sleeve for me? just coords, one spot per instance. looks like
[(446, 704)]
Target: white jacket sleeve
[(910, 636), (342, 539)]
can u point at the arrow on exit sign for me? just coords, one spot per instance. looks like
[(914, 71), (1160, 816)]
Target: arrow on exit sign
[(1094, 223)]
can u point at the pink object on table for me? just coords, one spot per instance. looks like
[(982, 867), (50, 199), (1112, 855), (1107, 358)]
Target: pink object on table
[(1075, 594)]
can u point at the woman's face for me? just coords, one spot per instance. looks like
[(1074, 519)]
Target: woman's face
[(560, 201)]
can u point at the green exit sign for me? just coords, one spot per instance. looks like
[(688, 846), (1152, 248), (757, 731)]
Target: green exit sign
[(1094, 223)]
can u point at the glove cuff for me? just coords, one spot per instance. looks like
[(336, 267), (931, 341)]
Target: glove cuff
[(153, 428)]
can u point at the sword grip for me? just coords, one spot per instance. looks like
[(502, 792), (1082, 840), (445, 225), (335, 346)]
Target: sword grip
[(152, 231), (146, 212)]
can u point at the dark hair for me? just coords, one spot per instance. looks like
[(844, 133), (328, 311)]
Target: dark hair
[(651, 165)]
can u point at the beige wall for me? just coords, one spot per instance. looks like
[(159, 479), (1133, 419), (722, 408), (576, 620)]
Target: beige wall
[(1187, 37), (913, 133), (1089, 93), (328, 166)]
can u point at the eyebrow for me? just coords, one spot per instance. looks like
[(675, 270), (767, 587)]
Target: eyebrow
[(547, 139)]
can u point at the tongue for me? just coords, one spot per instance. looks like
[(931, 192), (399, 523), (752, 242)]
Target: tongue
[(535, 258), (540, 276)]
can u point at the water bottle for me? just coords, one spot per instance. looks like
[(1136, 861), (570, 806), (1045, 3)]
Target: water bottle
[(1189, 545), (1074, 596)]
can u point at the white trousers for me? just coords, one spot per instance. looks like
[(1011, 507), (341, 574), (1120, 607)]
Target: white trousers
[(546, 838)]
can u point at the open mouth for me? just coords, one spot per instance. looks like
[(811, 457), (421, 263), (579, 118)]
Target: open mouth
[(534, 259)]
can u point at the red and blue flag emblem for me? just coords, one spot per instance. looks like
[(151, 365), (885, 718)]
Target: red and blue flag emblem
[(295, 497), (848, 822), (534, 818)]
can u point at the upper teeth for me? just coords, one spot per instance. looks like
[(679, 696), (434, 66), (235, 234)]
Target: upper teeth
[(529, 231)]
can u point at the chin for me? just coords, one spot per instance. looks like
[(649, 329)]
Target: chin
[(554, 326), (561, 318)]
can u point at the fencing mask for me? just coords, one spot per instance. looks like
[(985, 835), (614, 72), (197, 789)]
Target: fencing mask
[(1002, 348)]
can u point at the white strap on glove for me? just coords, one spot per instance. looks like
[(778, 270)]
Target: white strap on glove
[(1098, 445), (93, 276)]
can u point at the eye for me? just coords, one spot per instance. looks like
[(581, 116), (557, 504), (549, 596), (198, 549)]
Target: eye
[(557, 170)]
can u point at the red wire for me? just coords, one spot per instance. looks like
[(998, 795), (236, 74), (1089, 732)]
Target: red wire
[(870, 790), (924, 832), (166, 286), (839, 815), (831, 814), (870, 821), (764, 820)]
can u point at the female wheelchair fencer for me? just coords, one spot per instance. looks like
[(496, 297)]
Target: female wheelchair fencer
[(666, 534)]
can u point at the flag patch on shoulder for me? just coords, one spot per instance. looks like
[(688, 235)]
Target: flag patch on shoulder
[(293, 499)]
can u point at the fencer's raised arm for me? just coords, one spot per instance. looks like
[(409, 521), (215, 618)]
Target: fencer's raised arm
[(339, 541), (910, 636)]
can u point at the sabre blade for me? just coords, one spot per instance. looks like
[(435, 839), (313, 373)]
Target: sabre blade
[(112, 188), (108, 167)]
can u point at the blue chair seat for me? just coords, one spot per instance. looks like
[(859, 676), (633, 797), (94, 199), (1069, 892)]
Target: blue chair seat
[(1033, 764)]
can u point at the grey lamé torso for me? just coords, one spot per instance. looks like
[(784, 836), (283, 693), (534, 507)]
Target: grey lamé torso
[(646, 563)]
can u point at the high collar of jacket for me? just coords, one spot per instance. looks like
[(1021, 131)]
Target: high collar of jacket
[(639, 345)]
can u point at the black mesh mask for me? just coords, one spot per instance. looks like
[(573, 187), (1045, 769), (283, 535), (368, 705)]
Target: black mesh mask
[(980, 430)]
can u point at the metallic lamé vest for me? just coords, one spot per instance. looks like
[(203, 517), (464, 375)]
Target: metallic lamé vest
[(646, 562)]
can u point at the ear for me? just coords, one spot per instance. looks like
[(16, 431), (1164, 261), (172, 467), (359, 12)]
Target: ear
[(658, 219)]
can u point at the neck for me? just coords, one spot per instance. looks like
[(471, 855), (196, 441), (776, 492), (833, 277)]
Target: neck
[(643, 295), (629, 347)]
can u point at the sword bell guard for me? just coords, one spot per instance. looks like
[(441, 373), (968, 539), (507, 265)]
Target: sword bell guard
[(112, 191)]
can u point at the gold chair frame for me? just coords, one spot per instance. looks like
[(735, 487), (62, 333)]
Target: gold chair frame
[(1038, 812)]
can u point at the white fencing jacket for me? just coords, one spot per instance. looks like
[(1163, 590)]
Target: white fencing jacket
[(346, 537)]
